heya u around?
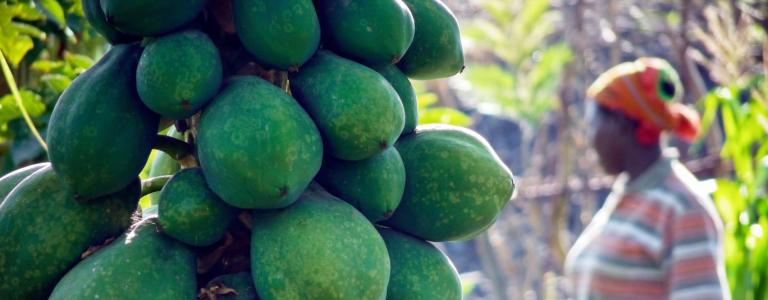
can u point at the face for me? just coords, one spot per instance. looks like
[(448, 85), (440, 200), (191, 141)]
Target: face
[(607, 134)]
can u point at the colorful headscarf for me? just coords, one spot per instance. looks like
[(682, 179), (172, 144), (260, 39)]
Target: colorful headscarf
[(647, 90)]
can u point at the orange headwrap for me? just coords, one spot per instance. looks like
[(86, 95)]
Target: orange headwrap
[(647, 90)]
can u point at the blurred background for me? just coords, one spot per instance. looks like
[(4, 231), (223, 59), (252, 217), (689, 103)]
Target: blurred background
[(528, 65)]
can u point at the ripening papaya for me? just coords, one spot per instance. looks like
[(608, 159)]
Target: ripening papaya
[(12, 179), (142, 264), (256, 146), (455, 184), (419, 269), (190, 212), (282, 34), (374, 32), (436, 51), (100, 134), (43, 231), (150, 17), (374, 186), (95, 16), (179, 73), (318, 248), (358, 112)]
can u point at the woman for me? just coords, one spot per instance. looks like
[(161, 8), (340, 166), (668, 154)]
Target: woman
[(657, 236)]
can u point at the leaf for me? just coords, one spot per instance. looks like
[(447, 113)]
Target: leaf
[(729, 200), (47, 66), (444, 115), (57, 82), (52, 9), (78, 61), (16, 38), (10, 111), (426, 99)]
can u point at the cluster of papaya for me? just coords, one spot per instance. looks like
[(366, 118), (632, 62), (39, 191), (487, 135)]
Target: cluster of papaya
[(294, 167)]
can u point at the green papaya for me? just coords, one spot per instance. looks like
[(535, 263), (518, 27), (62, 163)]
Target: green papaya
[(190, 212), (163, 164), (43, 231), (178, 73), (257, 147), (374, 186), (282, 34), (436, 51), (141, 264), (100, 134), (12, 179), (373, 32), (404, 89), (95, 16), (238, 286), (358, 112), (419, 269), (318, 248), (150, 17), (455, 184)]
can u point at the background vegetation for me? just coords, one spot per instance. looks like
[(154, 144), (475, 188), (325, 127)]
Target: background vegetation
[(528, 64)]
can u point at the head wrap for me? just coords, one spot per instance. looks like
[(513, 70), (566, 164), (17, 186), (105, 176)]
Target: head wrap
[(647, 90)]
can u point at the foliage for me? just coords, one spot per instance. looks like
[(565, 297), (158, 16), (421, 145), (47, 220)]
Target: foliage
[(522, 69), (48, 43), (429, 112), (742, 200)]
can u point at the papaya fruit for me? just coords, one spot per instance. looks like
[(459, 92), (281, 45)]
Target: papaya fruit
[(163, 164), (238, 286), (419, 269), (150, 17), (404, 89), (141, 264), (10, 180), (256, 146), (100, 134), (95, 16), (455, 184), (190, 212), (318, 248), (282, 34), (178, 73), (436, 51), (43, 231), (357, 111), (373, 32), (374, 186)]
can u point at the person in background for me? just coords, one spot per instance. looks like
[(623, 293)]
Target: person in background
[(657, 236)]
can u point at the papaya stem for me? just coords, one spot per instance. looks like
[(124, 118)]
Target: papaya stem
[(175, 148), (154, 184), (15, 91)]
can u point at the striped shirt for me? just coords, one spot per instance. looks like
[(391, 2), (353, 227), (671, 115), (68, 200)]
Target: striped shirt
[(656, 237)]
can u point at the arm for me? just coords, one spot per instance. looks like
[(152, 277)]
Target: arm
[(695, 258)]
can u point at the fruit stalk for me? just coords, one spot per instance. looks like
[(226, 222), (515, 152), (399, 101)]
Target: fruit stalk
[(154, 184), (175, 148)]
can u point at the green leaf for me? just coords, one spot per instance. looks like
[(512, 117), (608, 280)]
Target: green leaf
[(729, 200), (52, 9), (16, 38), (57, 82), (426, 99), (444, 115), (10, 111), (47, 66), (78, 61)]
